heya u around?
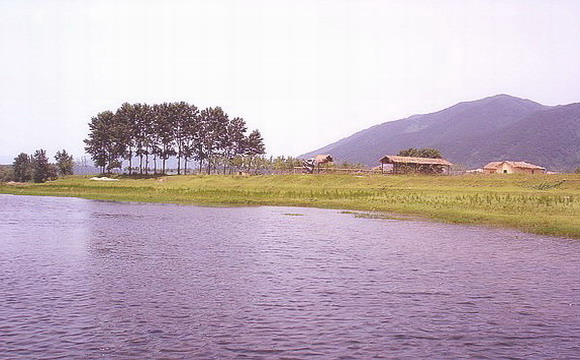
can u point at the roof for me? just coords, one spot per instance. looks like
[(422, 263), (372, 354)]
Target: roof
[(493, 165), (324, 158), (393, 159), (515, 164)]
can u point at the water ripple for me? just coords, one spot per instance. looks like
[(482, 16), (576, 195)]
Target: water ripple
[(105, 280)]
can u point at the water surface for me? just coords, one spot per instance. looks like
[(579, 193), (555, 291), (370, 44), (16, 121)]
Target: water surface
[(106, 280)]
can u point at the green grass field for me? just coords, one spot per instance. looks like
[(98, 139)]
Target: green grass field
[(542, 204)]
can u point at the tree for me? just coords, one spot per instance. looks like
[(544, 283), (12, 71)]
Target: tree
[(235, 140), (254, 147), (22, 168), (214, 136), (431, 153), (140, 132), (192, 134), (125, 119), (6, 173), (107, 141), (199, 152), (41, 169), (423, 153), (255, 144), (64, 163), (182, 118), (147, 131), (279, 163), (164, 133)]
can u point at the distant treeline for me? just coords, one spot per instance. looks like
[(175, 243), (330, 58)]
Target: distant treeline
[(37, 167), (152, 133)]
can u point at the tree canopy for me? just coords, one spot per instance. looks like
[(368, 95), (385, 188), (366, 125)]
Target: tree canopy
[(170, 129), (37, 167), (64, 163), (42, 170), (422, 153), (22, 168)]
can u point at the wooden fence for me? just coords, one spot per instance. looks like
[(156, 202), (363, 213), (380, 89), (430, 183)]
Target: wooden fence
[(322, 170)]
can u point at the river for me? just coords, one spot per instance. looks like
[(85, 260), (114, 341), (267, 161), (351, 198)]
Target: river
[(85, 279)]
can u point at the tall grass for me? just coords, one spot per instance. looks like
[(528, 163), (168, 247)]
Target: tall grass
[(544, 204)]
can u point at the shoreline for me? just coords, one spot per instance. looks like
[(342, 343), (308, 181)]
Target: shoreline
[(540, 204)]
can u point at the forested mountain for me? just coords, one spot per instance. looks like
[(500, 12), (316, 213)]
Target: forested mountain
[(474, 133)]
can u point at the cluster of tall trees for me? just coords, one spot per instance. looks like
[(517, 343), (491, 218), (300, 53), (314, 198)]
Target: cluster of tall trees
[(37, 168), (422, 153), (148, 134)]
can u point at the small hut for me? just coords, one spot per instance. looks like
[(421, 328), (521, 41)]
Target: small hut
[(512, 167), (323, 159), (407, 164), (315, 162)]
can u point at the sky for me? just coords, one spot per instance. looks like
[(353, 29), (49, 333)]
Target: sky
[(304, 72)]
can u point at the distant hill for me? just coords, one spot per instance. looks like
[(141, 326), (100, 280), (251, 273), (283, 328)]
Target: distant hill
[(474, 133), (6, 160)]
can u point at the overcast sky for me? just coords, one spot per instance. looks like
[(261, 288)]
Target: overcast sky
[(305, 73)]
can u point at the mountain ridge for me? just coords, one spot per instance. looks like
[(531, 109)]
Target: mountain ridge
[(472, 133)]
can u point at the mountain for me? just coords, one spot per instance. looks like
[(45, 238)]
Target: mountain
[(474, 133), (6, 160)]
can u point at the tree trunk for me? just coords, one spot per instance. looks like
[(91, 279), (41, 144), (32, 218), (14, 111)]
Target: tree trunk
[(146, 164), (130, 161), (225, 164), (141, 163)]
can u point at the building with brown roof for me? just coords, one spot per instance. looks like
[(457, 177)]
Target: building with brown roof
[(407, 164), (512, 167), (323, 159), (315, 162)]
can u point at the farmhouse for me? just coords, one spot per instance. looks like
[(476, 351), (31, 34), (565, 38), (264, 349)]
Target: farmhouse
[(512, 167), (406, 164), (315, 162), (323, 159)]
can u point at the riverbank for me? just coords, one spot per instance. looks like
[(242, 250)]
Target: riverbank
[(541, 204)]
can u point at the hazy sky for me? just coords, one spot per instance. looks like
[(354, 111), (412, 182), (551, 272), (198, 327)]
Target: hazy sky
[(305, 73)]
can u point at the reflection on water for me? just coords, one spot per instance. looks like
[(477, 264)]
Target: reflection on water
[(91, 279)]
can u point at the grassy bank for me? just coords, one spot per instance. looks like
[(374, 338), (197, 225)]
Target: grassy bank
[(542, 204)]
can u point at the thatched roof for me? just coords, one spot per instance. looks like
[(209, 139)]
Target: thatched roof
[(394, 159), (323, 159), (515, 164), (493, 165)]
